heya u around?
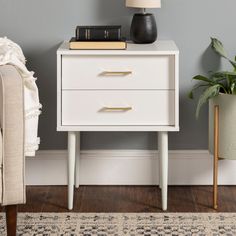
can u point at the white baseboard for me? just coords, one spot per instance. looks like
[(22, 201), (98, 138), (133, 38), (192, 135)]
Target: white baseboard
[(128, 167)]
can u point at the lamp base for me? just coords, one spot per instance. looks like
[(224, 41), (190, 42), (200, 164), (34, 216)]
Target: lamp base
[(143, 28)]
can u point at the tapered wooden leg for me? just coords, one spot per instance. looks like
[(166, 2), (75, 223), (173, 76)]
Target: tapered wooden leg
[(77, 161), (216, 156), (11, 218), (71, 167), (163, 152)]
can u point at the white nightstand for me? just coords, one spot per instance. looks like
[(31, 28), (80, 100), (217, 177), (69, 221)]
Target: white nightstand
[(118, 90)]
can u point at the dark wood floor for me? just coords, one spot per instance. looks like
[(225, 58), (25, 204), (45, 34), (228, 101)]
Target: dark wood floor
[(128, 199)]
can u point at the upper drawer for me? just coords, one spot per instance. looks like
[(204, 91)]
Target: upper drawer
[(118, 72)]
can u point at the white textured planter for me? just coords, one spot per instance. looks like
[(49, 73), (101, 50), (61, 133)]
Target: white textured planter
[(227, 125)]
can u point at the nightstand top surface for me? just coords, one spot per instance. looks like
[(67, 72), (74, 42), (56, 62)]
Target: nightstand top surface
[(160, 47)]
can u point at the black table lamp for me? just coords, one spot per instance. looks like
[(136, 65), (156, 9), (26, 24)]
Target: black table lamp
[(143, 27)]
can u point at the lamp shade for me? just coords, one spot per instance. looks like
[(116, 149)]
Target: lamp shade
[(143, 3)]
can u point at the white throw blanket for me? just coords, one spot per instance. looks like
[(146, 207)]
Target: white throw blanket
[(11, 53)]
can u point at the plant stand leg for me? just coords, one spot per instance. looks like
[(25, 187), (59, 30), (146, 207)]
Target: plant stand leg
[(216, 156), (11, 218)]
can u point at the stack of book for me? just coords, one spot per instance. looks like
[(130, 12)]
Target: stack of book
[(98, 37)]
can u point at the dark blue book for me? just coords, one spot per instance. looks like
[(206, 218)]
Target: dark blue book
[(98, 33)]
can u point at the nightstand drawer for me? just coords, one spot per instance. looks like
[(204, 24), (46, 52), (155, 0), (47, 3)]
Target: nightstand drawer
[(118, 72), (130, 107)]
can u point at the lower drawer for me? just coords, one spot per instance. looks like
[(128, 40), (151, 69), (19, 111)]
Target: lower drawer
[(130, 107)]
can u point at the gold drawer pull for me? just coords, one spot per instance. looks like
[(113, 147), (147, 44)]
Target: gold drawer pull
[(116, 108), (116, 73)]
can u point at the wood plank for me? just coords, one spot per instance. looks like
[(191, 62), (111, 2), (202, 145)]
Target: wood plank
[(57, 199), (180, 199), (128, 199), (36, 198), (203, 198), (120, 199)]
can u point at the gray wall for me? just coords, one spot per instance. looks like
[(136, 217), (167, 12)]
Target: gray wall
[(40, 25)]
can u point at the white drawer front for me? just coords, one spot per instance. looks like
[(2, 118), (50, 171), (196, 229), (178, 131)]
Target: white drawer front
[(130, 107), (131, 72)]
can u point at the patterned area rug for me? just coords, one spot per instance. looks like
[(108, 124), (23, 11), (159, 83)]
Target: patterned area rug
[(86, 224)]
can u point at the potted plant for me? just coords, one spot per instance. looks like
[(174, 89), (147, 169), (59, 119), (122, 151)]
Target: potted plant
[(219, 88)]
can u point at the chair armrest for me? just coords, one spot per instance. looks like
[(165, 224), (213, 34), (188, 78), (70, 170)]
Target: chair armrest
[(12, 124)]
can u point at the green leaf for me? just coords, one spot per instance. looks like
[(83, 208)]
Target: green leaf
[(190, 94), (197, 86), (218, 47), (233, 64), (232, 87), (224, 74), (234, 90), (218, 80), (208, 93), (202, 78)]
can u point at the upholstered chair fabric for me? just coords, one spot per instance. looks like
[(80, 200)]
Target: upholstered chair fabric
[(12, 182)]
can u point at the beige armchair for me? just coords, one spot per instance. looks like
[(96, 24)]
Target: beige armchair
[(12, 160)]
